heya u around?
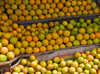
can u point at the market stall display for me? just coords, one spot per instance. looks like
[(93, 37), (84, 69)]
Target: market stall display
[(87, 62), (32, 30), (25, 10)]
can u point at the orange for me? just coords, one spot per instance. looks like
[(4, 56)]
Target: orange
[(97, 35), (47, 6), (10, 21), (39, 12), (74, 3), (65, 39), (60, 5), (79, 37), (54, 15), (90, 58), (51, 11), (29, 50), (35, 50), (4, 17), (53, 5), (14, 32), (47, 16), (18, 12), (48, 36), (92, 36), (14, 7), (62, 46), (27, 33), (63, 1), (76, 8), (59, 41), (31, 2), (89, 1), (7, 36), (85, 12), (9, 11), (68, 14), (41, 16), (65, 9), (13, 17), (87, 7), (28, 17), (45, 42), (18, 2), (4, 50), (79, 13), (44, 1), (32, 44), (19, 35), (15, 26), (7, 73), (49, 47), (35, 38), (4, 42), (56, 1), (69, 44), (39, 25), (4, 28), (25, 12), (7, 6), (35, 7), (52, 42), (28, 38), (21, 26), (22, 6), (68, 3), (71, 9), (42, 49), (96, 10), (81, 8), (61, 14), (21, 18), (84, 3), (50, 1), (38, 2), (19, 30), (86, 36), (93, 5), (0, 12), (83, 42)]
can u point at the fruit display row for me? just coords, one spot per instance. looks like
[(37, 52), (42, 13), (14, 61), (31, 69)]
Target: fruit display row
[(41, 37), (85, 63), (21, 10)]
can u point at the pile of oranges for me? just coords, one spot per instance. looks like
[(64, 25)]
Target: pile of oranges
[(21, 10), (85, 63), (41, 37)]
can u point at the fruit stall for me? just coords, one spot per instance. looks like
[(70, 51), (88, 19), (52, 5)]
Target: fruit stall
[(49, 36)]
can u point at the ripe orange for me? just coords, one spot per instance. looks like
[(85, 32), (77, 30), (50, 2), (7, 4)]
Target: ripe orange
[(53, 5), (35, 50), (97, 35), (28, 38), (83, 42), (60, 5), (87, 7), (22, 6), (42, 49), (90, 57), (84, 3), (35, 38), (92, 36)]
